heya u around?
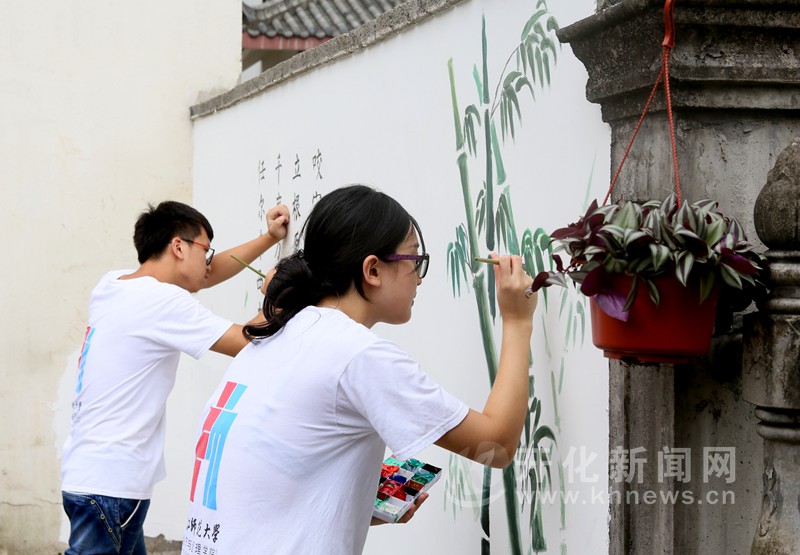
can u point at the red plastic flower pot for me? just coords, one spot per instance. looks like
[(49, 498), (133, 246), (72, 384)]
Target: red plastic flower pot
[(679, 329)]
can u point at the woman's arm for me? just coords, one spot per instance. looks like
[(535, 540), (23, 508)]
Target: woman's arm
[(492, 435)]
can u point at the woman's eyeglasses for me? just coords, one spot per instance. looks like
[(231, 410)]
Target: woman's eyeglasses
[(208, 249), (421, 261)]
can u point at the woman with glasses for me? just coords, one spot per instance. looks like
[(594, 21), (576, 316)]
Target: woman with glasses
[(292, 441)]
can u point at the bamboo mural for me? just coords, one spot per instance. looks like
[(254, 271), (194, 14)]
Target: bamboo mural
[(490, 224)]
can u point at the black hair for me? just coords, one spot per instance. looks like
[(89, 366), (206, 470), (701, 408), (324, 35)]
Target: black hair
[(156, 227), (344, 227)]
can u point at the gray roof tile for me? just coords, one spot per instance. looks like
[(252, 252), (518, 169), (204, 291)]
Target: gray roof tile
[(311, 18)]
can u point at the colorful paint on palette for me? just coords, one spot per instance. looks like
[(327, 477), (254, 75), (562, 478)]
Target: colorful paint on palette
[(399, 485)]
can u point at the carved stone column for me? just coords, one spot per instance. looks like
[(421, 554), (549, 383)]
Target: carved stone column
[(735, 79), (771, 365)]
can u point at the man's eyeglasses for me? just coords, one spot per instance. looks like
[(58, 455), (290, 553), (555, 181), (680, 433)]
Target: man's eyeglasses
[(420, 261), (207, 248)]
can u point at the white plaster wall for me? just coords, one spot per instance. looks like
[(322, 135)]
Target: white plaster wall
[(94, 124), (383, 117)]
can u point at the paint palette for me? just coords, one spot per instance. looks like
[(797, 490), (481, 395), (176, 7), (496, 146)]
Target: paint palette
[(400, 484)]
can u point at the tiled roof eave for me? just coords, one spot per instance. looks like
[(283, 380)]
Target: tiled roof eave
[(279, 42), (310, 18)]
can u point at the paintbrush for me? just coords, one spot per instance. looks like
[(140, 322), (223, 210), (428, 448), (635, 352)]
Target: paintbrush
[(528, 291), (246, 265)]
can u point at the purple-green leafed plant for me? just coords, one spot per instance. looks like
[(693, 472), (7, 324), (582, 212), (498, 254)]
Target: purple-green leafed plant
[(693, 241)]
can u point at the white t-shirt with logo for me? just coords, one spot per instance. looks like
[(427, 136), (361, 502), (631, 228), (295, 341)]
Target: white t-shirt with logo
[(290, 450), (136, 332)]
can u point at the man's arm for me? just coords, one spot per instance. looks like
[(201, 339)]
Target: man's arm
[(233, 340), (224, 267)]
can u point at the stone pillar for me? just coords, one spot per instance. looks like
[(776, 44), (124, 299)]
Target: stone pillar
[(735, 79), (771, 365)]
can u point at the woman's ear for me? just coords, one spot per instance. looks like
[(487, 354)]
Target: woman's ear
[(371, 270)]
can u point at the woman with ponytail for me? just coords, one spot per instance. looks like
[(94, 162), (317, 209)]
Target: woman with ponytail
[(292, 441)]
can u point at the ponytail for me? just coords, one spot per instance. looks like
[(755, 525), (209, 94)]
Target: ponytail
[(291, 289)]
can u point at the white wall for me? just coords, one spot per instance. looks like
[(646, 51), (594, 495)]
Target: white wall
[(94, 124), (384, 117)]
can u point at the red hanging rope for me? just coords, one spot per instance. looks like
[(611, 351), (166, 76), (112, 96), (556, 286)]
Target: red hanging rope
[(669, 24), (666, 49), (633, 137), (665, 63)]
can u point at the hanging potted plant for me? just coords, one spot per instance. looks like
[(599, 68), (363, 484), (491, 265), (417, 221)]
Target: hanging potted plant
[(685, 256), (653, 272)]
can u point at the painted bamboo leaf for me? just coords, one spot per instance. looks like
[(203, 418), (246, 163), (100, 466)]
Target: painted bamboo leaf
[(548, 43), (546, 64), (510, 106), (524, 82), (552, 24), (508, 230), (575, 329), (568, 333), (547, 349), (457, 261), (511, 93), (531, 58), (522, 57), (564, 296), (537, 412), (542, 244), (485, 50), (544, 432), (539, 30), (529, 25), (582, 315), (503, 116), (509, 79), (480, 209), (526, 245), (477, 77), (501, 222), (539, 63), (527, 434), (471, 117), (458, 486), (452, 268)]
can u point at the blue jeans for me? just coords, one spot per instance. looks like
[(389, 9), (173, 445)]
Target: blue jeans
[(101, 525)]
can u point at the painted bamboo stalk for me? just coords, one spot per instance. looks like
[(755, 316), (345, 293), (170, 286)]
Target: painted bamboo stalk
[(482, 300)]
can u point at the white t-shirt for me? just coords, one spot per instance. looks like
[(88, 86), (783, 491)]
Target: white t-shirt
[(289, 454), (136, 332)]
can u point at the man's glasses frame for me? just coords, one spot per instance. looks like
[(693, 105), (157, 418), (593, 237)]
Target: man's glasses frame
[(208, 249), (421, 261)]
